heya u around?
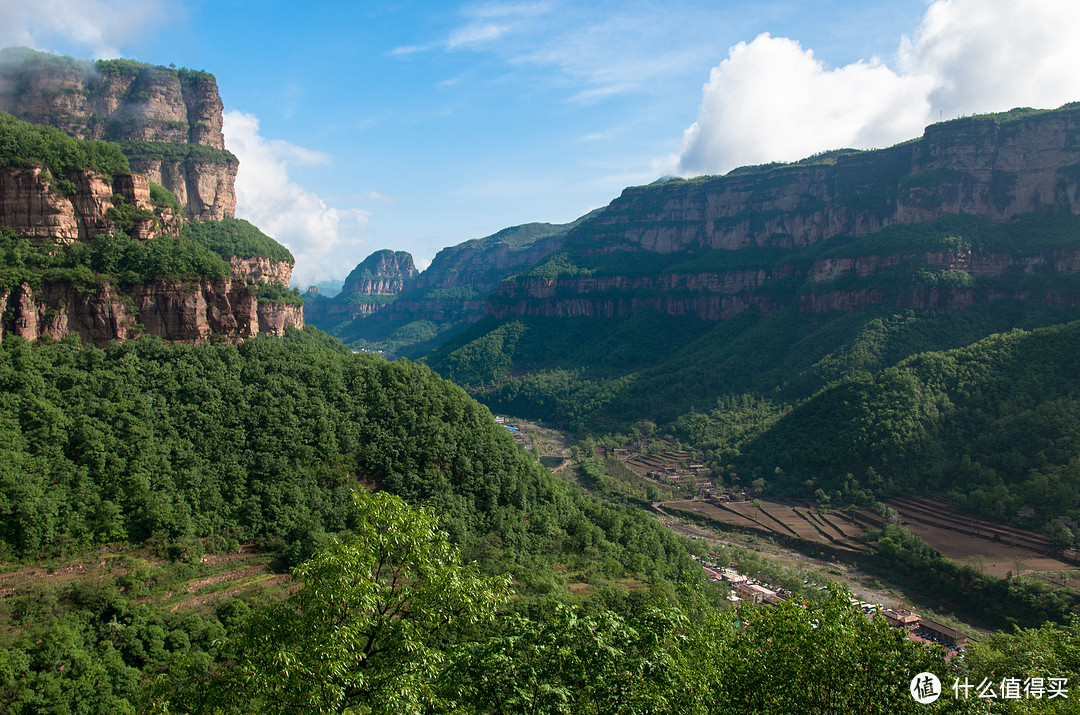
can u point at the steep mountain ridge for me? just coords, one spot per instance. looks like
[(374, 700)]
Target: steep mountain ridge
[(107, 256), (653, 243), (723, 295), (396, 308), (382, 273)]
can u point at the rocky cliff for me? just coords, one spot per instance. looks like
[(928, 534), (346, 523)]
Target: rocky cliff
[(104, 257), (998, 166), (178, 311), (35, 207), (260, 270), (948, 280), (769, 221), (167, 120)]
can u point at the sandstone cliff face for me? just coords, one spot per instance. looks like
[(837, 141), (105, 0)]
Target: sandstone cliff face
[(178, 311), (34, 207), (206, 189), (129, 101), (720, 296), (984, 167)]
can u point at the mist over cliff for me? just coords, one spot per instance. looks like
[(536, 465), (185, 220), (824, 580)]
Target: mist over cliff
[(168, 121)]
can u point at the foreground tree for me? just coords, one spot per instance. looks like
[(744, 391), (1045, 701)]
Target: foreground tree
[(571, 662), (363, 633)]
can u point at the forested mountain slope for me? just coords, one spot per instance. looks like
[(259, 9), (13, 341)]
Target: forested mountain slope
[(151, 441)]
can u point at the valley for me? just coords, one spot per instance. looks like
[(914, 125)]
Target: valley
[(853, 372)]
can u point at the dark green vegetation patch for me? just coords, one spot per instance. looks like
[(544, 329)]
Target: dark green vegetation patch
[(144, 151), (149, 441), (31, 145), (236, 237), (110, 258)]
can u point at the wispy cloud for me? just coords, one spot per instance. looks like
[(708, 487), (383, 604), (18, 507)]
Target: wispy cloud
[(373, 196), (596, 51), (474, 33), (318, 235), (103, 27), (406, 50), (772, 100)]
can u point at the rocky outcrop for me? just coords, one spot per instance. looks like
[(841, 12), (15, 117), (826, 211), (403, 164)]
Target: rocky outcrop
[(168, 122), (274, 318), (157, 113), (204, 187), (260, 270), (373, 285), (178, 311), (382, 273), (453, 289), (482, 263), (33, 204)]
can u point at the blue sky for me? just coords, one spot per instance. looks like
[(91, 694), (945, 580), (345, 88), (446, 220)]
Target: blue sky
[(417, 125)]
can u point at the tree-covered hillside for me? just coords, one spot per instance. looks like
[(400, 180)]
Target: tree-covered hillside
[(993, 425), (725, 385), (147, 441)]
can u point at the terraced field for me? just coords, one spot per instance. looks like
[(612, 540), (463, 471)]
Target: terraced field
[(996, 549), (797, 523)]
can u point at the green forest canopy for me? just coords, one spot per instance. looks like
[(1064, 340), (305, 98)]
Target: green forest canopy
[(236, 237), (26, 145)]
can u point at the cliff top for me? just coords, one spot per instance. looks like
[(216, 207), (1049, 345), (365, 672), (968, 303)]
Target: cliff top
[(33, 61), (23, 144), (237, 237), (384, 263), (952, 128)]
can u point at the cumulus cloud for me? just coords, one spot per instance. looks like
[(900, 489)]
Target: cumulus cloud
[(101, 26), (318, 235), (989, 55), (772, 100)]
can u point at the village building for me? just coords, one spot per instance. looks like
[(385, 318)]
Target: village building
[(752, 592), (901, 618), (942, 633)]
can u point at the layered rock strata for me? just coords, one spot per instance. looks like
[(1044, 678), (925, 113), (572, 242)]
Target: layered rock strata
[(33, 206), (997, 167), (178, 311)]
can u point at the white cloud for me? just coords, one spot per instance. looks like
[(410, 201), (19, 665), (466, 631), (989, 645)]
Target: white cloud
[(989, 55), (318, 235), (475, 33), (101, 26), (772, 100)]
